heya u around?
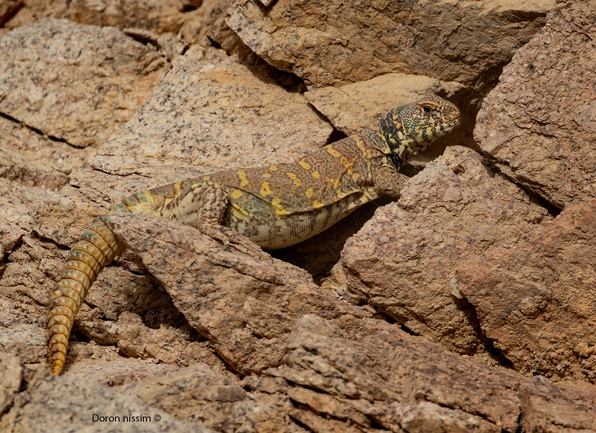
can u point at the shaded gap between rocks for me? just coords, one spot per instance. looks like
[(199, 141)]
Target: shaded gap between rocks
[(300, 423), (472, 316), (374, 424), (336, 134), (268, 73), (37, 131), (384, 315), (552, 209), (11, 12)]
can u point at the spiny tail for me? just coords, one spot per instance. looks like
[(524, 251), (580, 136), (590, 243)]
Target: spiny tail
[(96, 249)]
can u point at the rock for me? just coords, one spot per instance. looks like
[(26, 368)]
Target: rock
[(451, 41), (536, 298), (72, 82), (402, 261), (567, 408), (153, 15), (158, 16), (205, 24), (69, 404), (167, 344), (539, 123), (17, 206), (212, 114), (32, 159), (368, 375), (370, 372), (244, 306), (11, 376), (198, 394), (8, 8), (25, 340)]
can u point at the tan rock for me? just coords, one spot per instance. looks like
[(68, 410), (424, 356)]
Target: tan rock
[(8, 8), (206, 24), (72, 82), (17, 206), (244, 306), (568, 408), (32, 159), (68, 404), (371, 371), (11, 374), (154, 15), (35, 10), (197, 394), (536, 299), (213, 114), (159, 16), (330, 43), (402, 261), (539, 123)]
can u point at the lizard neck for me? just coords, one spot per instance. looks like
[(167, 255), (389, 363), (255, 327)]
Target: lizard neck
[(382, 144)]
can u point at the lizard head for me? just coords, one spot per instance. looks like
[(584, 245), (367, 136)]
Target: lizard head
[(409, 129)]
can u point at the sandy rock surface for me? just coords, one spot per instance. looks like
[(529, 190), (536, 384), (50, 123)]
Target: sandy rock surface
[(402, 261), (542, 132), (465, 306), (185, 126), (153, 15), (536, 299), (74, 95), (331, 42)]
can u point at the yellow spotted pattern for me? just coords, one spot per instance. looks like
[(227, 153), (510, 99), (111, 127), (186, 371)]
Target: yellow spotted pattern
[(236, 194), (333, 152), (265, 190), (294, 178), (305, 165), (243, 180)]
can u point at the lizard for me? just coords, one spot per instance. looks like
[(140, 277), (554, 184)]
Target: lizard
[(259, 208)]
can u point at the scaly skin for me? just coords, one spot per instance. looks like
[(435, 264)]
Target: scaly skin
[(269, 207)]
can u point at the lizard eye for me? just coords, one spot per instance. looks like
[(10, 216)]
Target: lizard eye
[(426, 109)]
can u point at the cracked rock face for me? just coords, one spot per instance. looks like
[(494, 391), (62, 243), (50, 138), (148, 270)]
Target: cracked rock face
[(402, 261), (465, 306), (536, 301), (451, 41), (74, 95), (539, 123)]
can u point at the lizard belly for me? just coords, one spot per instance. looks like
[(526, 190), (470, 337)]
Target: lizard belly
[(267, 228)]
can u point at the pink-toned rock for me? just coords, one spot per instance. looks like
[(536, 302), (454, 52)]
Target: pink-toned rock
[(403, 260), (368, 371), (244, 306), (536, 299), (70, 404), (539, 123), (567, 408)]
